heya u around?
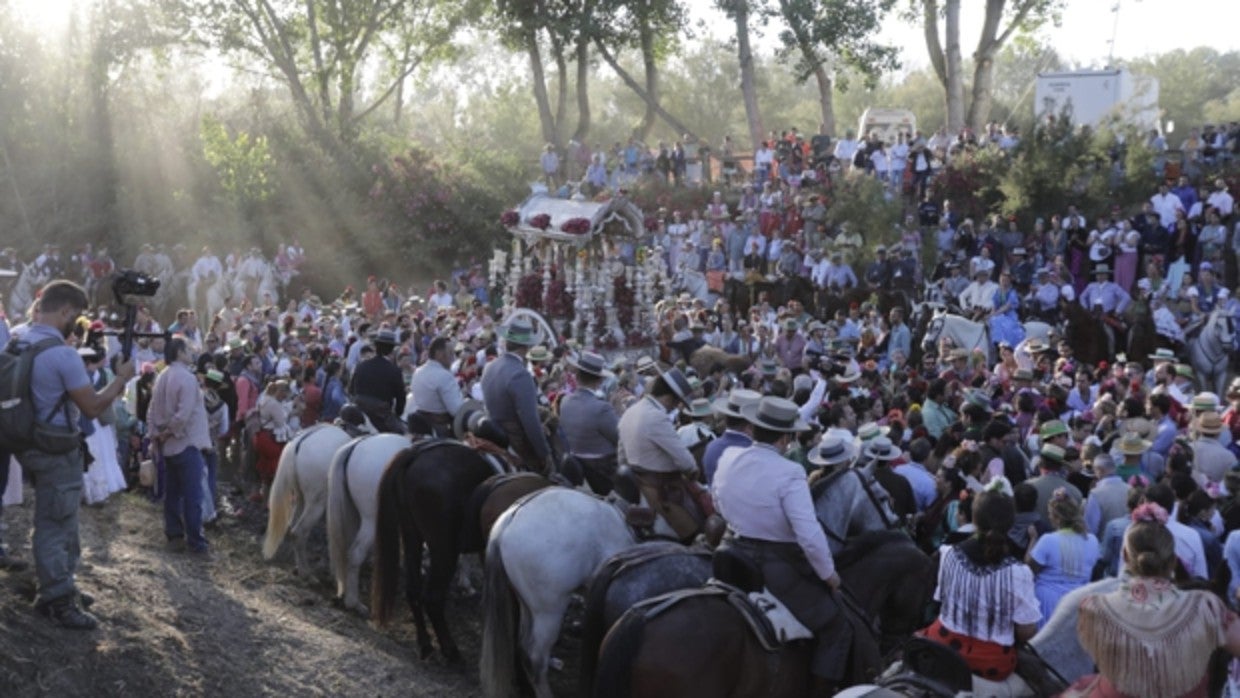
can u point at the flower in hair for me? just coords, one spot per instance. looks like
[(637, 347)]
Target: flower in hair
[(1059, 494), (1138, 481), (969, 445), (1149, 513)]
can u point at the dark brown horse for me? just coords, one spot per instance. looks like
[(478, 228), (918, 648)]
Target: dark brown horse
[(423, 498), (492, 498), (1090, 338), (702, 646)]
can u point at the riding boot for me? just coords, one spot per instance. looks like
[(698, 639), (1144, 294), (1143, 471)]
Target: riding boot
[(822, 688)]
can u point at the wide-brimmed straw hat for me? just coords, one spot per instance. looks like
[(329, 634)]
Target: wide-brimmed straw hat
[(832, 450), (1209, 423), (518, 331), (1131, 444), (775, 414), (590, 363), (731, 405), (881, 449), (679, 385)]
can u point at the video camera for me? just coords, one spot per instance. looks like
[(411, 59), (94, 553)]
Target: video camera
[(130, 287)]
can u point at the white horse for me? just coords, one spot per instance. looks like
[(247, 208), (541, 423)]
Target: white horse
[(550, 542), (1210, 350), (258, 283), (352, 506), (964, 333), (299, 492), (27, 285), (694, 283)]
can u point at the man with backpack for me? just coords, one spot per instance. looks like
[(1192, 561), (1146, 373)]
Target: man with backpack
[(51, 451)]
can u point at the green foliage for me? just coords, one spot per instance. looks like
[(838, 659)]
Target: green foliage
[(242, 162), (862, 204), (836, 34)]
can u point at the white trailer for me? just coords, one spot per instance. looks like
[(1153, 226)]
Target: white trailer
[(1097, 95)]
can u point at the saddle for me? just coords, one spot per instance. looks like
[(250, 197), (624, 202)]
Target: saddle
[(771, 623), (686, 509)]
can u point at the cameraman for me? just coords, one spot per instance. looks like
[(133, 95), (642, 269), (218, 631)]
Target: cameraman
[(60, 388)]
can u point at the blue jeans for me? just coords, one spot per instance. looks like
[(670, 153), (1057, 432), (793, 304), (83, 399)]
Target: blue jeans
[(183, 498)]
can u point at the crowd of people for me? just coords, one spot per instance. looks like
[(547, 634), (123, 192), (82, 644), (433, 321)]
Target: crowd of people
[(1032, 475)]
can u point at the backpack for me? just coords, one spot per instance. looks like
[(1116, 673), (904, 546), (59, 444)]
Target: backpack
[(20, 428)]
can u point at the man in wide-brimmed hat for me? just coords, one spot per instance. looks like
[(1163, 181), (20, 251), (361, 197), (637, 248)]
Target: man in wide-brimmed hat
[(378, 386), (736, 428), (1211, 460), (651, 448), (766, 500), (1053, 466), (511, 397), (590, 426), (437, 396)]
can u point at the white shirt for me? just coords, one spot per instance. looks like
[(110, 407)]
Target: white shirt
[(1165, 205), (206, 266), (845, 149), (979, 295), (1188, 548), (434, 389), (766, 497), (1223, 201)]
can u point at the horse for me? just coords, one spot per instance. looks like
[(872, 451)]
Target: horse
[(299, 491), (964, 333), (1143, 338), (423, 496), (541, 549), (549, 543), (1209, 351), (694, 283), (628, 578), (492, 498), (702, 646), (1091, 339), (28, 283), (352, 504)]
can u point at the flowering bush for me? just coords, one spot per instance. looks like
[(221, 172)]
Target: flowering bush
[(652, 224), (509, 218), (541, 221), (576, 226)]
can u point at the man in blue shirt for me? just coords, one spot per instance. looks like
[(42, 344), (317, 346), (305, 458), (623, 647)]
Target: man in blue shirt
[(736, 432), (920, 479), (1158, 407), (899, 339)]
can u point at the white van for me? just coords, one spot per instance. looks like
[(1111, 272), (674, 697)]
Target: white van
[(887, 122)]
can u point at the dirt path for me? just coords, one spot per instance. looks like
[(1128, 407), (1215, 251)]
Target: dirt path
[(234, 626)]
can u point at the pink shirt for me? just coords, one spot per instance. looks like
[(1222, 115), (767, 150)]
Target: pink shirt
[(766, 496), (178, 411)]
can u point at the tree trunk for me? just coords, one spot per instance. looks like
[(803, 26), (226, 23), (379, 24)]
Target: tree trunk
[(583, 92), (651, 66), (955, 71), (826, 99), (561, 99), (549, 127), (983, 93), (748, 88), (632, 84)]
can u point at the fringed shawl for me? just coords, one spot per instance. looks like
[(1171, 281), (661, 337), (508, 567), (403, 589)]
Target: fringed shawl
[(1149, 638), (980, 600)]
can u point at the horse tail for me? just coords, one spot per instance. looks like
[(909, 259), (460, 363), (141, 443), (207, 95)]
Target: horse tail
[(285, 489), (388, 532), (593, 624), (615, 660), (343, 519), (498, 663)]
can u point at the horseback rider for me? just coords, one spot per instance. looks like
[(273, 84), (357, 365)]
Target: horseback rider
[(1105, 297), (590, 425), (766, 501), (511, 397), (377, 386), (436, 395), (662, 465), (978, 299)]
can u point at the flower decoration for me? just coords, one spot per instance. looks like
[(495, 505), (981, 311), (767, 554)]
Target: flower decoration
[(509, 218), (541, 221), (652, 224), (576, 226), (1149, 513)]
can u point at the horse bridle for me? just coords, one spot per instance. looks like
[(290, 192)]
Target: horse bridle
[(875, 501), (1209, 327)]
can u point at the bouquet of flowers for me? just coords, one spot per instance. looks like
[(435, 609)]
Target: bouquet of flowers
[(652, 224), (576, 226), (529, 292), (541, 221), (509, 218), (558, 302)]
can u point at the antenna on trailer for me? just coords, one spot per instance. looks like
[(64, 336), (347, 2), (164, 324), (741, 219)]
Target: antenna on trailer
[(1114, 34)]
